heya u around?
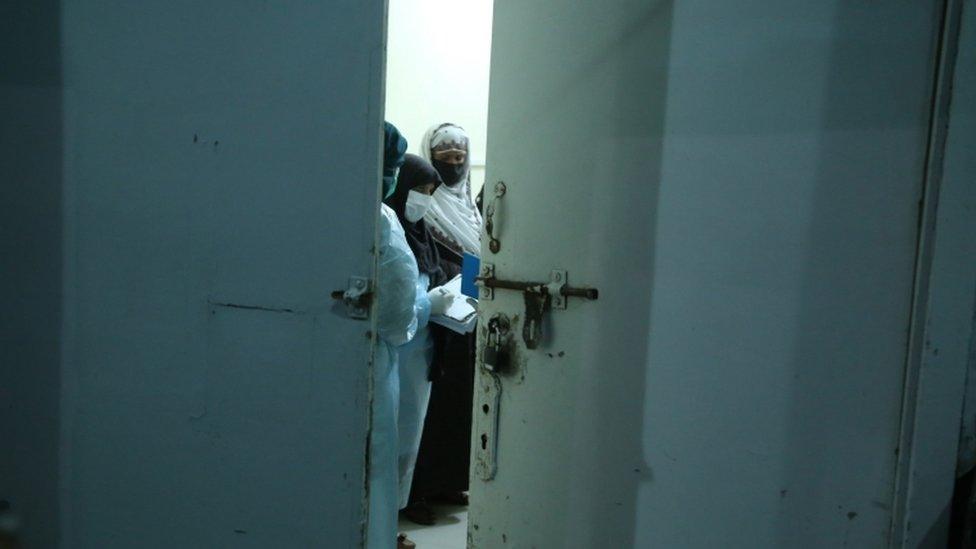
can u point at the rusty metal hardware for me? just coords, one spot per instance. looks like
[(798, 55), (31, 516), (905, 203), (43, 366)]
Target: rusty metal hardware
[(486, 293), (495, 360), (488, 281), (539, 297), (536, 305), (496, 356), (357, 297), (493, 243), (488, 392)]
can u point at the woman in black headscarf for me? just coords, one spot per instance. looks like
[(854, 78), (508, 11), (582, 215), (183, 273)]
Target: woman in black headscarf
[(416, 183), (410, 200)]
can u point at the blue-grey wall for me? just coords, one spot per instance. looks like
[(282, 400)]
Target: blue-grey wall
[(30, 255)]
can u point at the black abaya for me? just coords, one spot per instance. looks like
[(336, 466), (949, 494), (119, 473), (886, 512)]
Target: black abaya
[(445, 446)]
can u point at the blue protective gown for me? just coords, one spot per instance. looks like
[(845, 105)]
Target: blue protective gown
[(414, 364), (396, 324)]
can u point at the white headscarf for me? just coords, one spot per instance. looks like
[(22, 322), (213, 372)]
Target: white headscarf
[(452, 217)]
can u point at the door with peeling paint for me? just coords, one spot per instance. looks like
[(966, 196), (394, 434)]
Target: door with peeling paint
[(221, 180), (740, 183)]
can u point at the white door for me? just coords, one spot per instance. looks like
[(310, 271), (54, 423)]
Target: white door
[(740, 182), (221, 180)]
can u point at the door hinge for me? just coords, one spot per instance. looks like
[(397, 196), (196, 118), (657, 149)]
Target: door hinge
[(357, 297)]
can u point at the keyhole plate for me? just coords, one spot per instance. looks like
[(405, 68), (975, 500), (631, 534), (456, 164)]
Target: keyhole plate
[(487, 398)]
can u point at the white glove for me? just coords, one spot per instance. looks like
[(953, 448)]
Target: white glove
[(441, 300)]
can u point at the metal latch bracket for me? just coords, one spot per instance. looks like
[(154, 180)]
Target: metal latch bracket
[(539, 297), (357, 297)]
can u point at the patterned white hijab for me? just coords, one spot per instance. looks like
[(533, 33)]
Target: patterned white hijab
[(452, 217)]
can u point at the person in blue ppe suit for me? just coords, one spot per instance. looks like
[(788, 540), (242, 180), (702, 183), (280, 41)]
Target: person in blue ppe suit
[(396, 324), (399, 314), (410, 201)]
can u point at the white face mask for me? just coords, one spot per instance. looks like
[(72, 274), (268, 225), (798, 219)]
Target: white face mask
[(417, 205)]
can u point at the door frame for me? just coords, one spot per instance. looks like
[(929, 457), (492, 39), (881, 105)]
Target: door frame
[(934, 387)]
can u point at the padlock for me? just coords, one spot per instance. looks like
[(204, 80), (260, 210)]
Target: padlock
[(495, 356), (502, 363), (491, 356), (499, 356)]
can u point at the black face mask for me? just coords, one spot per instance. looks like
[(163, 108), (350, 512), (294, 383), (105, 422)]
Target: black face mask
[(451, 174)]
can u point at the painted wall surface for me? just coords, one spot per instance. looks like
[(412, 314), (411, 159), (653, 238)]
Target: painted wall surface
[(213, 169), (437, 70), (741, 181), (30, 263)]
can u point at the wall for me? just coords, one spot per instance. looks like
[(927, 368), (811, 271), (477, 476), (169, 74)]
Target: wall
[(30, 277), (437, 70)]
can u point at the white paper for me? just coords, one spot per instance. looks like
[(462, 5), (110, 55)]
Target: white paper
[(462, 315)]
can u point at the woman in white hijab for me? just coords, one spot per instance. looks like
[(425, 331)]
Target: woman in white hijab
[(443, 461), (452, 217)]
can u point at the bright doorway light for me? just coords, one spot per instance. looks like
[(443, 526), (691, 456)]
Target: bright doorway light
[(438, 56)]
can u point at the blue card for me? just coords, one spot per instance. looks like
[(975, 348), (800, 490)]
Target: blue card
[(470, 268)]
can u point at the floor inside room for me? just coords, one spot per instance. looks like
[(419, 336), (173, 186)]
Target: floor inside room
[(450, 532)]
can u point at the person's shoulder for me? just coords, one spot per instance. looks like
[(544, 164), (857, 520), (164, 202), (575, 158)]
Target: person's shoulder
[(387, 215), (391, 231), (387, 220)]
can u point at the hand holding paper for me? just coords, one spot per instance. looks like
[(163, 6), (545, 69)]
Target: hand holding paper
[(460, 314), (441, 300)]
